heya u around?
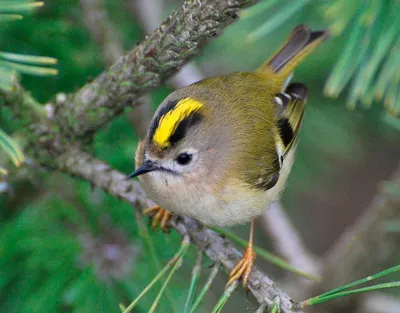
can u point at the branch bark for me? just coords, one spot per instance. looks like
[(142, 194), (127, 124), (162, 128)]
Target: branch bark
[(98, 173), (158, 56), (104, 33), (149, 13)]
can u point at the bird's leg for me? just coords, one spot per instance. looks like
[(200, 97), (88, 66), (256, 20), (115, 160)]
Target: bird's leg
[(159, 216), (243, 268)]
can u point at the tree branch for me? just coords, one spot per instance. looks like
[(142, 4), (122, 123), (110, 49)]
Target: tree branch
[(149, 13), (102, 30), (100, 174), (104, 33), (287, 240), (158, 56), (365, 248)]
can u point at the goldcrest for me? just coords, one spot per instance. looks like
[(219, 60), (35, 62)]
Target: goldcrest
[(220, 150)]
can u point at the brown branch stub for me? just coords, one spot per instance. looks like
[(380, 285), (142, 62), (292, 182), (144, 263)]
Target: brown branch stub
[(99, 174), (159, 55)]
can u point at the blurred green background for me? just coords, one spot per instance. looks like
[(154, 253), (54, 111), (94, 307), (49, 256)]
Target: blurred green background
[(67, 247)]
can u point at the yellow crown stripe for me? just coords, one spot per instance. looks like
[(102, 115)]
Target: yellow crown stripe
[(170, 121)]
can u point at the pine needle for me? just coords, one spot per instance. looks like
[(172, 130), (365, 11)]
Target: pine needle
[(206, 287), (181, 251), (25, 58), (225, 297), (342, 291), (11, 149), (194, 281), (178, 264)]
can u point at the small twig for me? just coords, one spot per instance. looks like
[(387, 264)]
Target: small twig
[(288, 241), (102, 30), (149, 13), (156, 58), (106, 36)]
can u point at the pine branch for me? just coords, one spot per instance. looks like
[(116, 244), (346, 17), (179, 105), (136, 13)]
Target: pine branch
[(158, 56)]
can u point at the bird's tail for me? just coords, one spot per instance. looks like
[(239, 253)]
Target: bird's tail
[(301, 42)]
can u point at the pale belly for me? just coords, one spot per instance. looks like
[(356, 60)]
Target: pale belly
[(236, 203)]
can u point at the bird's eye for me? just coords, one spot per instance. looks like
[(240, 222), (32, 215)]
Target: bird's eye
[(184, 158)]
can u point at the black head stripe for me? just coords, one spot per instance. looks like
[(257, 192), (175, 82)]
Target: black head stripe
[(156, 120), (183, 127)]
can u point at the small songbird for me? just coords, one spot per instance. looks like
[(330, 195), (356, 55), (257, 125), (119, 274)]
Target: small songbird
[(220, 150)]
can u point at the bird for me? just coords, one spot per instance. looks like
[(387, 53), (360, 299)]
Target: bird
[(220, 150)]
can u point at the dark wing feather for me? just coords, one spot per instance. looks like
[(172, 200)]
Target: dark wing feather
[(291, 105)]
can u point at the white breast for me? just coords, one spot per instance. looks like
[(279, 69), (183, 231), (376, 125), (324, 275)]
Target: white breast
[(237, 203)]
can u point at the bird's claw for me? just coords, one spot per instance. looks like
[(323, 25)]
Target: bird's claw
[(159, 216)]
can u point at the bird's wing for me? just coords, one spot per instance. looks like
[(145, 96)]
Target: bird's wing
[(290, 104)]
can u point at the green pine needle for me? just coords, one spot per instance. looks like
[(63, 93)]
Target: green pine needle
[(277, 303), (11, 148), (25, 58), (225, 297), (285, 13), (194, 281), (206, 287), (258, 9), (269, 257), (178, 264), (149, 246), (342, 291), (181, 251), (18, 6), (10, 17), (3, 171), (30, 69), (318, 300)]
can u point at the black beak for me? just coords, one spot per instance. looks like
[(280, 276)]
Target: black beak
[(147, 166)]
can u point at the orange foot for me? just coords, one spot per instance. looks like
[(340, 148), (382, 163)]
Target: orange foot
[(159, 216), (243, 268)]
